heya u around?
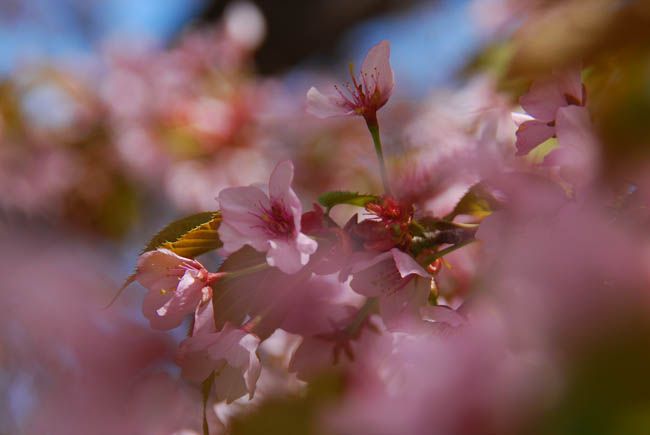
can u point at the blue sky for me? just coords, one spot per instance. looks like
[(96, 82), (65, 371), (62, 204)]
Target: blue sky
[(52, 29), (428, 43)]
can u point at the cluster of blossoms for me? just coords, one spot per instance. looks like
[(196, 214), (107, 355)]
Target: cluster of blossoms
[(367, 296), (389, 259), (498, 284)]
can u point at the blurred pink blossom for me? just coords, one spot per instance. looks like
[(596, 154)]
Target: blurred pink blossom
[(544, 103), (231, 353), (366, 95), (79, 369), (268, 219), (400, 283)]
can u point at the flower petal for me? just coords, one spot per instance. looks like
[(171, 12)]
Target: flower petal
[(578, 152), (284, 255), (543, 99), (154, 300), (376, 71), (530, 134), (186, 297), (241, 208), (155, 269), (574, 128), (326, 106), (399, 309), (406, 265), (443, 314)]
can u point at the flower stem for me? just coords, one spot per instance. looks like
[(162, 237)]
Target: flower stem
[(431, 258), (373, 126), (367, 307), (245, 271)]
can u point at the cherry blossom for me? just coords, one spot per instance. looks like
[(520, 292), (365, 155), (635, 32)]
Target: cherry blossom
[(176, 286), (268, 219), (365, 95), (231, 353), (544, 103), (398, 281)]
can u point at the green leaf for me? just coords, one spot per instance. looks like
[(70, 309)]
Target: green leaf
[(189, 237), (336, 197), (477, 202)]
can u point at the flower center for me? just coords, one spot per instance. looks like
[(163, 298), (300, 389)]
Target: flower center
[(277, 221), (364, 96)]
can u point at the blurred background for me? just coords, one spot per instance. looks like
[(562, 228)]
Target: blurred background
[(118, 116)]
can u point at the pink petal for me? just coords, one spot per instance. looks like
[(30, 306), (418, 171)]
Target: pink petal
[(400, 308), (363, 260), (229, 384), (520, 118), (193, 358), (204, 320), (548, 94), (280, 190), (406, 265), (254, 367), (154, 300), (376, 70), (155, 269), (530, 134), (306, 246), (284, 255), (442, 314), (239, 349), (240, 208), (543, 99), (281, 179), (379, 279), (326, 106), (570, 82), (186, 297), (574, 128), (578, 151)]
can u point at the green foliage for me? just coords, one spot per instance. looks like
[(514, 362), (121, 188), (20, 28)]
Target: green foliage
[(189, 237), (477, 202), (336, 197)]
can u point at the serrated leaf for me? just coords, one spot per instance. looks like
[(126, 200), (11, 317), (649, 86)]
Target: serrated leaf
[(477, 202), (189, 237), (336, 197)]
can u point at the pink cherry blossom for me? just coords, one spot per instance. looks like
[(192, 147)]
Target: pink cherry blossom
[(546, 96), (577, 154), (176, 287), (365, 95), (268, 219), (398, 281), (231, 352)]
